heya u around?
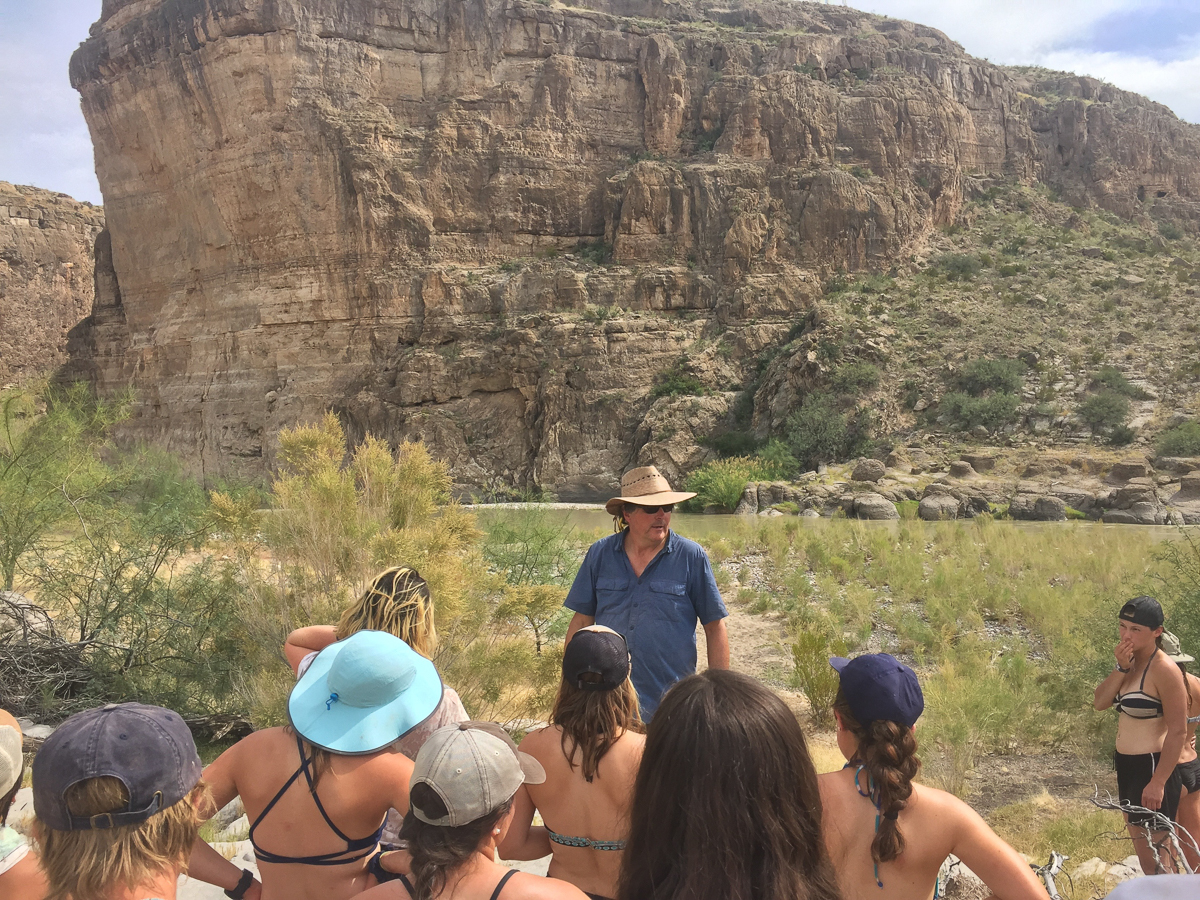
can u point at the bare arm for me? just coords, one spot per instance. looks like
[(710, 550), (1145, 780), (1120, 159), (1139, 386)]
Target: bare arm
[(1106, 692), (206, 863), (1002, 869), (717, 639), (524, 840), (1173, 694), (579, 620), (304, 641)]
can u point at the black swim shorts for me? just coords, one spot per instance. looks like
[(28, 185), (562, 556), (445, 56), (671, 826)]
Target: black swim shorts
[(1134, 772), (1189, 775)]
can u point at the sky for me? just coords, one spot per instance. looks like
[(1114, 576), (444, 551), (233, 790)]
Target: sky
[(1148, 46)]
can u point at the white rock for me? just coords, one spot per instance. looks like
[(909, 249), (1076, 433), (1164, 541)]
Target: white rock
[(1090, 868)]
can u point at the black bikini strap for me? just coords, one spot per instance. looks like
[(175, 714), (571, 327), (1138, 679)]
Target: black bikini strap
[(278, 796), (1146, 671), (412, 891), (306, 768), (503, 882)]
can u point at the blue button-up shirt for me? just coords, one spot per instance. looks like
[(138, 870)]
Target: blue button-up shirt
[(656, 613)]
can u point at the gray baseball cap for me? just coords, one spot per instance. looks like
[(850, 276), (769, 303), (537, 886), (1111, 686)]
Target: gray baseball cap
[(147, 748), (475, 768)]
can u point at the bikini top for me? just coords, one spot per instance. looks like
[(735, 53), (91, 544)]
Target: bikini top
[(585, 843), (360, 848), (1138, 704), (495, 894)]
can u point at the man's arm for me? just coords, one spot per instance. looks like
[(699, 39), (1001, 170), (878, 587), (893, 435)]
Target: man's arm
[(716, 637), (579, 620)]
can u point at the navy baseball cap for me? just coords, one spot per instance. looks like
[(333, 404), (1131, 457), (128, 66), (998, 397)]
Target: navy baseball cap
[(1144, 611), (596, 650), (878, 686), (147, 748)]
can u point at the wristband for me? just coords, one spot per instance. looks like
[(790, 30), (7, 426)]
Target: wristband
[(243, 885), (1122, 669)]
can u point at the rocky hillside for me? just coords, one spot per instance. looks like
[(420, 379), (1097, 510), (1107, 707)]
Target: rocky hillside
[(553, 241), (46, 252)]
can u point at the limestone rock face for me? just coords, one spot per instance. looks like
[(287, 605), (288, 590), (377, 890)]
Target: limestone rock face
[(499, 226), (46, 287)]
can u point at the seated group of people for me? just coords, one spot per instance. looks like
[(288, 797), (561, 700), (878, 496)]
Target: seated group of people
[(380, 788)]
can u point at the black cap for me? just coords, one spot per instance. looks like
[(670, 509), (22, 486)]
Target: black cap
[(596, 650), (880, 687), (1142, 611), (147, 748)]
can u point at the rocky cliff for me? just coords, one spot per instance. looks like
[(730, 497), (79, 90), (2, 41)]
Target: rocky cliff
[(512, 228), (46, 252)]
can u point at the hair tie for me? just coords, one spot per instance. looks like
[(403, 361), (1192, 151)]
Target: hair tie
[(333, 698), (892, 815)]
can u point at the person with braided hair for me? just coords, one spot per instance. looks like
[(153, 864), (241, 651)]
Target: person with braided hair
[(397, 602), (887, 836)]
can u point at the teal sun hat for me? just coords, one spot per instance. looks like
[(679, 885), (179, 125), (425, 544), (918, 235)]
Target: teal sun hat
[(363, 693)]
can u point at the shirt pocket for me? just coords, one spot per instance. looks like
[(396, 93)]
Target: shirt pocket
[(610, 590), (672, 595)]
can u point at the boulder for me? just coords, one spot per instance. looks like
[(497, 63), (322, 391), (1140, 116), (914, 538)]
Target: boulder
[(874, 506), (1128, 469), (1177, 465), (936, 507), (1136, 490), (1140, 513), (748, 505), (868, 470), (960, 468), (980, 462), (1037, 508)]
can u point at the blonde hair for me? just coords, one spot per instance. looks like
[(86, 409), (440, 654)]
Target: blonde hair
[(89, 865), (399, 603)]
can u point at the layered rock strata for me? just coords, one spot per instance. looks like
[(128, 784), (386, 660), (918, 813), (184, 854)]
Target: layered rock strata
[(46, 286), (503, 226)]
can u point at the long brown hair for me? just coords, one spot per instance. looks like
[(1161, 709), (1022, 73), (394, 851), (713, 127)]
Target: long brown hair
[(437, 850), (592, 721), (726, 805), (888, 751)]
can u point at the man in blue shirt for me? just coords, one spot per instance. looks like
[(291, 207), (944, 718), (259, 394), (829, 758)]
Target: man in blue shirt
[(652, 586)]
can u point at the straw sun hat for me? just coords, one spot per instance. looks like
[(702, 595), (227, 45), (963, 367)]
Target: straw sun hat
[(645, 487)]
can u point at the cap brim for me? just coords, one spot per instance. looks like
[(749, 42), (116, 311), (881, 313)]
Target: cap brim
[(839, 662), (1181, 658), (614, 505), (534, 773), (352, 730)]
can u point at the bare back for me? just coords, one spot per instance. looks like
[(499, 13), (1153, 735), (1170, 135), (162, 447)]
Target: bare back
[(356, 792), (934, 824), (572, 806)]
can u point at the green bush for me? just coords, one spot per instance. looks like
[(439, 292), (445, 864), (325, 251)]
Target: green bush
[(958, 266), (820, 432), (1104, 410), (853, 378), (1182, 440), (1122, 436), (677, 382), (1170, 231), (721, 482), (980, 376), (731, 443), (1113, 379), (993, 411), (813, 675), (778, 458)]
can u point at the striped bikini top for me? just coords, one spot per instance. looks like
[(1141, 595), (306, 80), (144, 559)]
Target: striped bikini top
[(1138, 704)]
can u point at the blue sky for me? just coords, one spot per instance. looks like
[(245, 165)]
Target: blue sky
[(1148, 46)]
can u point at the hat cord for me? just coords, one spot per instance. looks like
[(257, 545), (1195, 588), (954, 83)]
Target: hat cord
[(333, 698)]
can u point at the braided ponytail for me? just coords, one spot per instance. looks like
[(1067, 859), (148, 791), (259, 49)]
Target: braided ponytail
[(888, 752)]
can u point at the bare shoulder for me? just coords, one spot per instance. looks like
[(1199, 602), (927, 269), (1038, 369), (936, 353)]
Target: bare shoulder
[(537, 887), (536, 742)]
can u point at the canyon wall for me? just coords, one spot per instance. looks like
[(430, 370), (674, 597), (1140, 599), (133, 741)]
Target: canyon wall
[(504, 226), (46, 287)]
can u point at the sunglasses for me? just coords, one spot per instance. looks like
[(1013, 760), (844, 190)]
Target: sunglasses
[(652, 510)]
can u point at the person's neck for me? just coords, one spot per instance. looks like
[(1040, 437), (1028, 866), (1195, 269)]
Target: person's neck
[(162, 887), (646, 546), (1141, 657)]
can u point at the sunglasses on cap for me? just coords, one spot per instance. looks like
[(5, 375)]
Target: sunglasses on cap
[(651, 510)]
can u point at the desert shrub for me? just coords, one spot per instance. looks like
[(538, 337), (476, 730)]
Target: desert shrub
[(980, 376), (677, 382), (1170, 231), (1122, 436), (731, 443), (778, 458), (965, 411), (812, 673), (958, 266), (1111, 378), (1104, 410), (721, 482), (820, 431), (1182, 440), (853, 378)]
